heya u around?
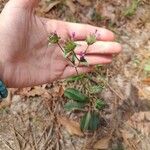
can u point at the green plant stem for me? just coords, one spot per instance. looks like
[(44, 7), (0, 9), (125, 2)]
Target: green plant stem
[(60, 47), (76, 56), (86, 49), (63, 52), (84, 53), (69, 58)]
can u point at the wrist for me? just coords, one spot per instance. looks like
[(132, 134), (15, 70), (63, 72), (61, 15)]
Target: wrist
[(1, 69)]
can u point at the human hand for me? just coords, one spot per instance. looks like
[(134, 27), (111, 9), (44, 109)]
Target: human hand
[(26, 59)]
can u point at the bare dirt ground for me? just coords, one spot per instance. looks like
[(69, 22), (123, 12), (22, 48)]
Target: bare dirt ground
[(34, 118)]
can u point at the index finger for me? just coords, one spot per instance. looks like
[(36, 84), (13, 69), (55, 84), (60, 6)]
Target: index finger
[(82, 30)]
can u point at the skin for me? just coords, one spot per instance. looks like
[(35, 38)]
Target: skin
[(25, 57)]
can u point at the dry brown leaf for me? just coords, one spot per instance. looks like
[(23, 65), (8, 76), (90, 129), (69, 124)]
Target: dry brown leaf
[(146, 81), (141, 122), (130, 139), (71, 5), (51, 5), (36, 91), (102, 143), (23, 91), (84, 2), (144, 92), (7, 101), (126, 135), (71, 126)]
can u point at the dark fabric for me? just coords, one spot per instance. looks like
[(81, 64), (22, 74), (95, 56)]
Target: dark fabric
[(3, 90)]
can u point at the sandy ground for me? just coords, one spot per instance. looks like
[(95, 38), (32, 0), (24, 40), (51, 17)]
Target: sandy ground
[(29, 118)]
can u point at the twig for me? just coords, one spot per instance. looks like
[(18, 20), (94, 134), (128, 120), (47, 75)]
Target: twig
[(34, 144), (16, 137), (8, 144), (114, 91), (76, 70), (26, 140), (48, 140)]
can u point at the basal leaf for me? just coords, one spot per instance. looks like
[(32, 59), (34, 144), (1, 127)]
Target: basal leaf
[(90, 121), (72, 105), (75, 95), (95, 121), (85, 121)]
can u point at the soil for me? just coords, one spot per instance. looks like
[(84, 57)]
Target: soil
[(29, 117)]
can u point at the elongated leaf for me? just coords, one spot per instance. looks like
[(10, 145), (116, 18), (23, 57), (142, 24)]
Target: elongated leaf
[(75, 95), (94, 122), (72, 105), (90, 121), (85, 121), (73, 59)]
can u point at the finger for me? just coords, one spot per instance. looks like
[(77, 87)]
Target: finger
[(70, 71), (23, 3), (65, 29), (82, 30), (96, 59), (98, 48)]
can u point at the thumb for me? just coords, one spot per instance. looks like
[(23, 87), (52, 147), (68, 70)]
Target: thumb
[(26, 4)]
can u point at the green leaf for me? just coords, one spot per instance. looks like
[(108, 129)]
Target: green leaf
[(85, 121), (95, 121), (84, 62), (73, 59), (100, 104), (69, 46), (130, 11), (147, 67), (54, 38), (67, 54), (70, 106), (76, 78), (96, 89), (90, 121), (75, 95), (91, 39)]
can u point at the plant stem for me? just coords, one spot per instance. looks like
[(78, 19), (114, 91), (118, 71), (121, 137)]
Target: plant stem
[(60, 47), (69, 58), (86, 49), (63, 52), (76, 56), (76, 70), (84, 54)]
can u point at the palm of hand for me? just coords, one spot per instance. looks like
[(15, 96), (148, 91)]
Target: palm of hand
[(26, 58), (30, 60)]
